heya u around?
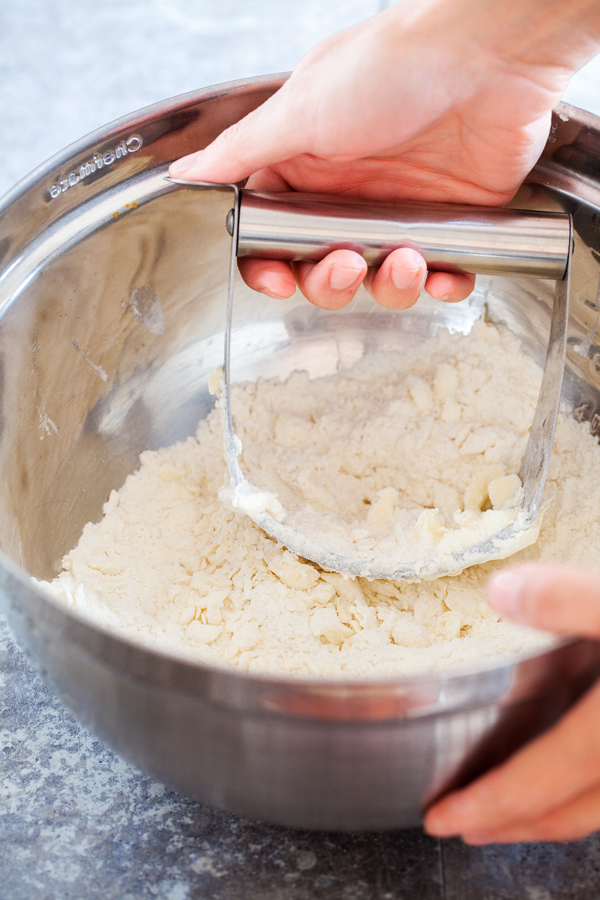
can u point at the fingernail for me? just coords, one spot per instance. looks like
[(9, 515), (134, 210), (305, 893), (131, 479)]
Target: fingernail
[(181, 167), (404, 278), (505, 592), (343, 277)]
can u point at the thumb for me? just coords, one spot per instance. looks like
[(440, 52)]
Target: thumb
[(262, 138), (551, 597)]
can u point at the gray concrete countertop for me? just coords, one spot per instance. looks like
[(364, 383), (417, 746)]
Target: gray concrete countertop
[(76, 821)]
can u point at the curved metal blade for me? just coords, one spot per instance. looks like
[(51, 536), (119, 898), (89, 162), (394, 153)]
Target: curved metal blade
[(536, 459)]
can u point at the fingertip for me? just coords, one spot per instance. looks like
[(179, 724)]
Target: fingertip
[(275, 292), (258, 140), (184, 167), (225, 160), (200, 166), (440, 820), (437, 827), (399, 280), (477, 840), (549, 596), (506, 590), (276, 285), (332, 282), (344, 278), (271, 277), (449, 287), (348, 259), (406, 266)]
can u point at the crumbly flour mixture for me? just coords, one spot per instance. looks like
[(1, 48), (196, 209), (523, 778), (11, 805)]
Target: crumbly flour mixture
[(442, 428), (390, 489)]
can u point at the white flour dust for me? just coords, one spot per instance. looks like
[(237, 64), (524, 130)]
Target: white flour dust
[(440, 429)]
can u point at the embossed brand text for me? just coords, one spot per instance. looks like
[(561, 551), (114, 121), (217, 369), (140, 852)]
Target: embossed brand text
[(99, 160)]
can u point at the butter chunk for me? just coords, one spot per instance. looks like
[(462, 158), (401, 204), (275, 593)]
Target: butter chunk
[(504, 491), (445, 381), (204, 634), (382, 511), (293, 573), (326, 623)]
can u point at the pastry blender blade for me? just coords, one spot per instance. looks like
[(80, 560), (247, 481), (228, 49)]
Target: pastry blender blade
[(479, 240)]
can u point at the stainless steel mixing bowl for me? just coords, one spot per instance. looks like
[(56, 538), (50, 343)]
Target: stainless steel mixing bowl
[(112, 307)]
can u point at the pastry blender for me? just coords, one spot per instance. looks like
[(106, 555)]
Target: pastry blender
[(479, 240)]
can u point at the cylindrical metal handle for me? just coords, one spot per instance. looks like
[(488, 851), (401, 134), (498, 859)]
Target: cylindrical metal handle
[(477, 239)]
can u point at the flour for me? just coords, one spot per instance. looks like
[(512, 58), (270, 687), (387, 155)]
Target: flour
[(441, 428)]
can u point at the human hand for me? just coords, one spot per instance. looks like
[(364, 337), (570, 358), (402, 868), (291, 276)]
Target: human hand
[(432, 100), (549, 790)]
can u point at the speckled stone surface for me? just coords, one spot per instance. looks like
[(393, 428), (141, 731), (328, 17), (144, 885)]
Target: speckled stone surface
[(528, 871), (75, 821)]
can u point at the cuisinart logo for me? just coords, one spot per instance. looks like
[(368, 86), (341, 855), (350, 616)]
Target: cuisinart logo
[(99, 160)]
